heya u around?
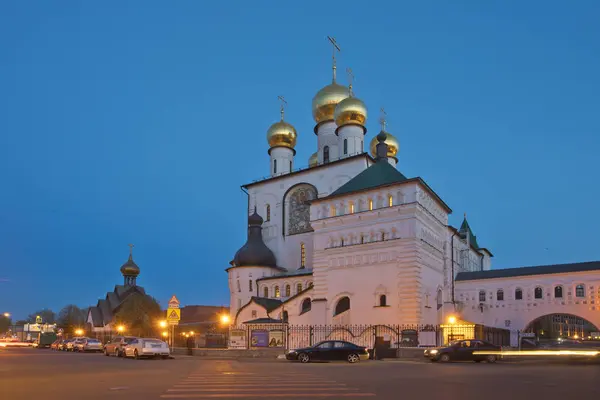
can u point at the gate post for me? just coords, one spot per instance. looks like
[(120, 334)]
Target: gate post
[(310, 335)]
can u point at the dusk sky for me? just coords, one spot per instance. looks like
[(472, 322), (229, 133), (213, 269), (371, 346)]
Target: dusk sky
[(137, 122)]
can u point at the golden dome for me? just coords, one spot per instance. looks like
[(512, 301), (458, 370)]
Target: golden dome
[(392, 143), (313, 161), (324, 102), (350, 111), (282, 134)]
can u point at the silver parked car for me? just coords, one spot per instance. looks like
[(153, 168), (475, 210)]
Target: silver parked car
[(139, 348), (88, 345)]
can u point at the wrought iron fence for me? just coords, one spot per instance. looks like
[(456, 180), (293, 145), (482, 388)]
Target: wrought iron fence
[(369, 336)]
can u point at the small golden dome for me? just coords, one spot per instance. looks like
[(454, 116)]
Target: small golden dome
[(282, 134), (350, 111), (313, 161), (324, 102), (392, 143)]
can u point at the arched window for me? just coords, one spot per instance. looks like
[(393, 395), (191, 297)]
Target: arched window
[(266, 292), (370, 204), (268, 212), (439, 299), (500, 295), (361, 146), (481, 296), (342, 305), (345, 146), (288, 290), (277, 292), (390, 200), (538, 293), (326, 154), (274, 166), (351, 206), (382, 236), (362, 238), (342, 242), (250, 285), (579, 291), (285, 316), (383, 300), (299, 288), (239, 287), (518, 294), (306, 304), (558, 292), (302, 255), (333, 210), (290, 166)]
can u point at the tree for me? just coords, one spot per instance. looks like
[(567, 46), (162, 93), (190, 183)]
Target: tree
[(48, 316), (71, 317), (5, 324), (139, 315)]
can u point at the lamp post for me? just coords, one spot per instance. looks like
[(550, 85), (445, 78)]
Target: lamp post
[(451, 321)]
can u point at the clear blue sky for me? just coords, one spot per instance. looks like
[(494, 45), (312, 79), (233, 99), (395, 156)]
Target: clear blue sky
[(138, 121)]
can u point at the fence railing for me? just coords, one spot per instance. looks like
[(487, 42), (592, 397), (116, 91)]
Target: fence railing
[(369, 336)]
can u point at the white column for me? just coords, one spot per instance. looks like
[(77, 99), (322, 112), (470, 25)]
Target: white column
[(326, 137), (282, 160)]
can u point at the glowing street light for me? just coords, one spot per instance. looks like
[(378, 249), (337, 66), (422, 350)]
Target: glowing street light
[(163, 324), (79, 332), (7, 315), (192, 333), (165, 334), (225, 319), (452, 319), (120, 328)]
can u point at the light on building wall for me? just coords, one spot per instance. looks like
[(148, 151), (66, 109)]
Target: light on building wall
[(452, 319), (79, 332), (120, 328), (225, 319)]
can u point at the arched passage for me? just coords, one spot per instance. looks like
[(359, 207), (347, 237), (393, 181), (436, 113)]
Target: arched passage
[(553, 326)]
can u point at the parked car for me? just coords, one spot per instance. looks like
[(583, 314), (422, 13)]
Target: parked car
[(329, 350), (117, 345), (462, 350), (72, 345), (89, 345), (139, 347), (55, 344), (62, 346)]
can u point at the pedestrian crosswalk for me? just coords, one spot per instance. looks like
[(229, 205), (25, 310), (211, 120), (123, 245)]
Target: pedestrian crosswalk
[(250, 385)]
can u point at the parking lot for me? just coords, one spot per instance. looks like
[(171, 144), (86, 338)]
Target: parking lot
[(29, 373)]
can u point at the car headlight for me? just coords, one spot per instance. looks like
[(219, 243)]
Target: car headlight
[(434, 351), (291, 351)]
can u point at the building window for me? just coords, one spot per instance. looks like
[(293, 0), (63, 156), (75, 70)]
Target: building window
[(326, 154), (390, 200), (332, 210), (306, 305), (302, 255), (558, 292), (342, 242), (439, 299), (254, 314), (361, 146), (288, 290), (500, 295), (345, 146), (382, 236), (298, 288), (274, 166), (383, 300), (285, 316), (277, 292), (268, 212), (481, 296), (538, 293), (370, 204), (362, 238), (518, 294), (579, 291), (250, 285), (290, 166), (266, 292), (239, 287), (351, 208), (342, 305)]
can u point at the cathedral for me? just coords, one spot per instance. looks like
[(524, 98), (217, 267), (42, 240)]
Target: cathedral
[(350, 239)]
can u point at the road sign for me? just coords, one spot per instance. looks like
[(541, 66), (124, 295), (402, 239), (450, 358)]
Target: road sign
[(173, 316), (38, 319), (174, 302)]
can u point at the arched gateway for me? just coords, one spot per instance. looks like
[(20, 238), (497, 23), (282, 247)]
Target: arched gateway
[(554, 326)]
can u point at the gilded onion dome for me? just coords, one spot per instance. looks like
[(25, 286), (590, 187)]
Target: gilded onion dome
[(282, 134), (350, 111), (391, 142), (325, 101), (313, 161)]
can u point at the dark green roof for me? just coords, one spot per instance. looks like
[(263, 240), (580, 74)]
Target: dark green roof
[(264, 321), (466, 229), (268, 304), (379, 174), (527, 271), (298, 272)]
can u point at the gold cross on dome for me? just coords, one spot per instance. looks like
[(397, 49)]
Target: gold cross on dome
[(382, 119), (335, 47), (283, 104), (131, 246), (350, 79)]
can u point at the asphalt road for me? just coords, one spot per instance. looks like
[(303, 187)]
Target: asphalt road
[(44, 374)]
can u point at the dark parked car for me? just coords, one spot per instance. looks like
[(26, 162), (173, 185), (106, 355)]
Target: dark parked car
[(330, 350), (463, 350)]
